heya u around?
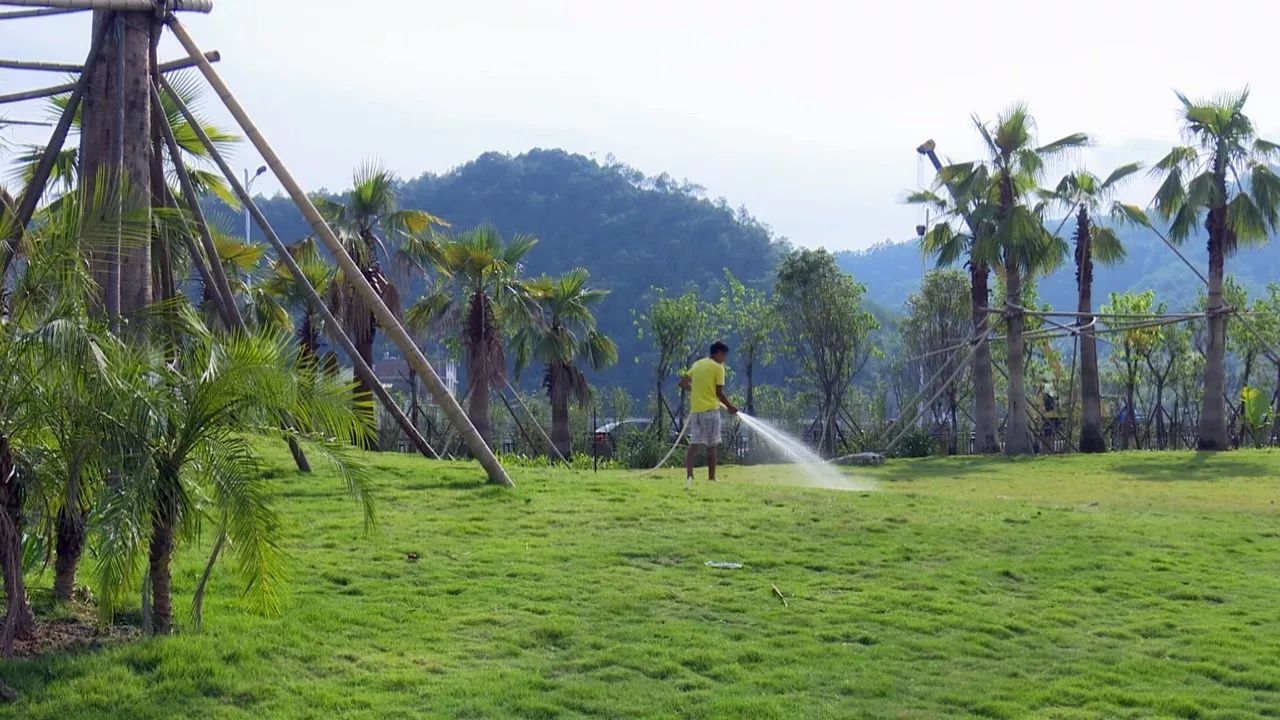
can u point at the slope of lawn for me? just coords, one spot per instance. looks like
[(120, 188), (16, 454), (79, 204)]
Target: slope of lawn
[(1125, 586)]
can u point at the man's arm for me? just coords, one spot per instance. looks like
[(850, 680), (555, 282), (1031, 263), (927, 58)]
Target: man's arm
[(685, 383), (725, 401)]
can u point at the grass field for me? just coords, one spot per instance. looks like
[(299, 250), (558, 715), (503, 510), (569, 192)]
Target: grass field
[(1127, 586)]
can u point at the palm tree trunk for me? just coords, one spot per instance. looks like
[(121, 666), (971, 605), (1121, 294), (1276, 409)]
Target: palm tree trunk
[(70, 545), (70, 538), (1091, 439), (1213, 414), (19, 621), (478, 410), (161, 591), (984, 385), (560, 435), (751, 386), (1017, 439), (363, 338), (135, 259)]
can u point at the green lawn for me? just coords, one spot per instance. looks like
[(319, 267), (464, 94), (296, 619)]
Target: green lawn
[(1133, 585)]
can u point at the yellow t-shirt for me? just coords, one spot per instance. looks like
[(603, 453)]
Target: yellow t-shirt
[(705, 376)]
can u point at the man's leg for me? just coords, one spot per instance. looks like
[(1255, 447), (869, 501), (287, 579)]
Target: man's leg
[(711, 462), (689, 455)]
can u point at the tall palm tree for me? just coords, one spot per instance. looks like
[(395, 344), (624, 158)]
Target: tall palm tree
[(1016, 165), (562, 333), (954, 239), (1224, 174), (478, 296), (366, 219), (1084, 194)]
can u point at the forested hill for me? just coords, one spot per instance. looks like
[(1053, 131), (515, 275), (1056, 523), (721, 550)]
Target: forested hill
[(892, 270), (630, 231)]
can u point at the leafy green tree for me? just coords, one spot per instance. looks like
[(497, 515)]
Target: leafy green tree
[(561, 333), (673, 324), (748, 316), (1087, 196), (934, 332), (1172, 347), (1133, 346), (826, 329), (1224, 178), (479, 296), (1015, 165)]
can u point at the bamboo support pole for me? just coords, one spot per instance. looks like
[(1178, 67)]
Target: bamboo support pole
[(395, 331), (40, 66), (12, 233), (536, 424), (171, 66), (200, 6), (227, 307), (41, 12), (211, 274), (317, 303), (975, 342)]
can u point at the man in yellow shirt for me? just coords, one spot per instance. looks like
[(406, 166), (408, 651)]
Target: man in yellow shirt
[(705, 383)]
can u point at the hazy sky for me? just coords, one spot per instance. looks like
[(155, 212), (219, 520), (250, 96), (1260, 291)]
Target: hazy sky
[(806, 111)]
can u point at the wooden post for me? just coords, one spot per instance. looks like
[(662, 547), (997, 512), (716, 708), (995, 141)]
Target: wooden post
[(395, 331), (317, 303)]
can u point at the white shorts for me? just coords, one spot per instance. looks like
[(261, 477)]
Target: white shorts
[(704, 428)]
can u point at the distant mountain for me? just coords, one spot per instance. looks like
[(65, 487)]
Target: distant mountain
[(630, 231), (892, 270)]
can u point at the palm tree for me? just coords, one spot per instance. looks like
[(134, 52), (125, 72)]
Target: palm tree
[(189, 423), (50, 374), (955, 239), (1224, 175), (278, 297), (562, 333), (1015, 165), (477, 297), (365, 220), (1085, 194)]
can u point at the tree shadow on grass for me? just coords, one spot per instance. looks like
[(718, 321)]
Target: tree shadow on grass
[(1201, 467), (945, 468)]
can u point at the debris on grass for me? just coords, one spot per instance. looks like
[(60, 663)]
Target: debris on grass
[(781, 597), (724, 565)]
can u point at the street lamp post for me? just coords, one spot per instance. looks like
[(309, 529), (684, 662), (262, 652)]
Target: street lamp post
[(248, 185)]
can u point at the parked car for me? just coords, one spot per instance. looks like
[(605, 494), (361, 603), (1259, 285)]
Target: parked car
[(606, 437)]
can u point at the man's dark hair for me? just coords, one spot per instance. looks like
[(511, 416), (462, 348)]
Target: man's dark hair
[(718, 347)]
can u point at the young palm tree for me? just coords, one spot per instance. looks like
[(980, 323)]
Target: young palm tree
[(479, 296), (365, 220), (561, 334), (1015, 165), (47, 427), (1224, 175), (1085, 195), (955, 239), (189, 423)]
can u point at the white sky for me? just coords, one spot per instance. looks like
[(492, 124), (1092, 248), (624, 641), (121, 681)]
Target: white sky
[(805, 111)]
